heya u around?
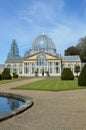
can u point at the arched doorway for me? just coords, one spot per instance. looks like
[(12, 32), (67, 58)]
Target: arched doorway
[(41, 65)]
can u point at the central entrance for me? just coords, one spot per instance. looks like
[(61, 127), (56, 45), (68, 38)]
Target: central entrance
[(42, 65), (42, 71)]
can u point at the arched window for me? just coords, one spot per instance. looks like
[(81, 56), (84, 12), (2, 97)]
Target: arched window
[(9, 66), (42, 61), (69, 66), (20, 69), (15, 68)]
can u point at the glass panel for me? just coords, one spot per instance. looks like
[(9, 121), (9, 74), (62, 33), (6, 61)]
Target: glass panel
[(41, 61), (9, 66), (33, 69), (14, 69), (20, 69), (43, 43), (56, 69), (50, 70)]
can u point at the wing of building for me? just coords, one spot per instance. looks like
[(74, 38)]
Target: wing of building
[(40, 59), (2, 66)]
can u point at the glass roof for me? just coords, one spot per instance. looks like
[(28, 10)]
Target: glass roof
[(14, 59), (43, 43), (71, 58)]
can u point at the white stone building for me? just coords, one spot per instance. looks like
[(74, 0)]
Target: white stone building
[(41, 58)]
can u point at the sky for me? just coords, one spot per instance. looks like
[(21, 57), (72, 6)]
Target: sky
[(64, 21)]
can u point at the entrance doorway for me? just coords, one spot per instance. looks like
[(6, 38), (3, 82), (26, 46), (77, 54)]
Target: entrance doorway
[(41, 71)]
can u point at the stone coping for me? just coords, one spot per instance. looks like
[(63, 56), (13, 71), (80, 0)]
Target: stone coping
[(28, 102)]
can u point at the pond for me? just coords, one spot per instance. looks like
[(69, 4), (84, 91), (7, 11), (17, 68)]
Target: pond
[(13, 104), (9, 104)]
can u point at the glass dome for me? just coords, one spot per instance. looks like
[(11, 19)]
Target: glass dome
[(43, 43)]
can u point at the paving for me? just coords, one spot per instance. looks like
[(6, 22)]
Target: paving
[(63, 110)]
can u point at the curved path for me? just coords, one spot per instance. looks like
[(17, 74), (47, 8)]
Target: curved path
[(64, 110)]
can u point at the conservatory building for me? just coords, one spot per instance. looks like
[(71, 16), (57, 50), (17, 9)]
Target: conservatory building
[(40, 60)]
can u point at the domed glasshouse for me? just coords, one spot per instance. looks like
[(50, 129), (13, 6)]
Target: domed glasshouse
[(43, 43), (41, 60)]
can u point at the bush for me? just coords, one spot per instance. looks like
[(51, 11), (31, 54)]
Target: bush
[(0, 77), (82, 77), (36, 73), (47, 72), (77, 70), (6, 74), (67, 74), (15, 75)]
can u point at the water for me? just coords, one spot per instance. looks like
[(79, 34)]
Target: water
[(9, 104)]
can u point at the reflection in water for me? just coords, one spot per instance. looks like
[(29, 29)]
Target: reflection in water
[(9, 104), (13, 103)]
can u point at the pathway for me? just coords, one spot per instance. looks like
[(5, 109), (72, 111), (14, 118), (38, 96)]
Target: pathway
[(64, 110)]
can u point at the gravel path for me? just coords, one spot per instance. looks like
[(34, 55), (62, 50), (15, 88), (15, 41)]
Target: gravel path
[(64, 110)]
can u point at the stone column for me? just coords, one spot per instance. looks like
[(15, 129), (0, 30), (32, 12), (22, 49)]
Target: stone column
[(60, 68), (23, 69)]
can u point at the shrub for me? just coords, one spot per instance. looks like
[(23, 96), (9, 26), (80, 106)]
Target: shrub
[(15, 75), (0, 77), (6, 74), (47, 72), (77, 70), (36, 73), (67, 74), (82, 77)]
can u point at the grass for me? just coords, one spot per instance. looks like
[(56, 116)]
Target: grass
[(12, 80), (52, 84)]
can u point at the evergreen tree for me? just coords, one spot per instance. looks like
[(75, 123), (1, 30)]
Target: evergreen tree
[(82, 77), (14, 51), (0, 77), (71, 51), (79, 49), (81, 46), (6, 74), (13, 55)]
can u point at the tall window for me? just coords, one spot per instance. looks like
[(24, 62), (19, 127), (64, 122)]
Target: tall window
[(15, 68), (33, 67), (26, 68), (9, 66), (41, 61), (20, 69)]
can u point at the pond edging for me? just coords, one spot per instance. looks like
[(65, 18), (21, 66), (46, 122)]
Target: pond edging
[(28, 102)]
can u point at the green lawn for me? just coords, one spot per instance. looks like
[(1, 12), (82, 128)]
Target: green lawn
[(51, 84), (12, 80)]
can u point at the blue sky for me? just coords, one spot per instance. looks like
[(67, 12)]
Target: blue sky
[(23, 20)]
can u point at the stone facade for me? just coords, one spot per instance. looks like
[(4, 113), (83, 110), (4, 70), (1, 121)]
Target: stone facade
[(41, 59)]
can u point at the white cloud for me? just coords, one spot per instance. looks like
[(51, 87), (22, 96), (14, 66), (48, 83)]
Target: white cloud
[(41, 12), (65, 35), (43, 16)]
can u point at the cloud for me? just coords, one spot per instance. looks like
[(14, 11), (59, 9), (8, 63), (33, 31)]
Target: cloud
[(41, 12), (38, 16), (49, 17), (65, 35)]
